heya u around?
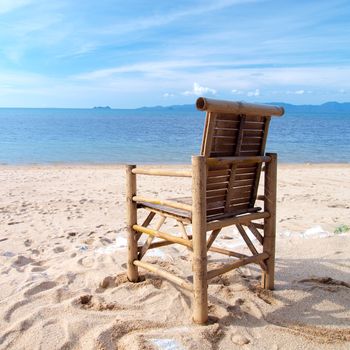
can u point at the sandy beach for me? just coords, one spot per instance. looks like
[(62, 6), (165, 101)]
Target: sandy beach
[(63, 255)]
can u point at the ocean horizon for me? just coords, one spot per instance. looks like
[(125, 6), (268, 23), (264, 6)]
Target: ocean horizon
[(158, 135)]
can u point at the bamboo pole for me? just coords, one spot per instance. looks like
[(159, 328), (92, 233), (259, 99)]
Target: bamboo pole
[(183, 232), (250, 244), (146, 222), (258, 226), (236, 220), (150, 238), (256, 233), (165, 274), (227, 252), (162, 172), (161, 244), (212, 237), (163, 235), (199, 262), (167, 203), (268, 276), (131, 210), (228, 267), (219, 106)]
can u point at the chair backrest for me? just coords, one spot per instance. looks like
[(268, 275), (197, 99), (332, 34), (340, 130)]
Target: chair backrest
[(233, 129)]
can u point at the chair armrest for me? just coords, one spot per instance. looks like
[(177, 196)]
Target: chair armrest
[(169, 203), (162, 172)]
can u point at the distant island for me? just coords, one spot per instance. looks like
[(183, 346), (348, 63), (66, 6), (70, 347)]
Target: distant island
[(102, 107)]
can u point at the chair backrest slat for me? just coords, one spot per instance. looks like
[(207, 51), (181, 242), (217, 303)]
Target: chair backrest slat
[(232, 188)]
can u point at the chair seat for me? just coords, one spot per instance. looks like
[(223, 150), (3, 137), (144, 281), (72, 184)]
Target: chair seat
[(187, 215), (164, 209)]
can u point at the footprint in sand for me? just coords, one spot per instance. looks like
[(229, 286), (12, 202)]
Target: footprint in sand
[(59, 249), (40, 288), (22, 260), (326, 283)]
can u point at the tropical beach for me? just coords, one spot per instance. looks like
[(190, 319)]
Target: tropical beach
[(63, 264), (174, 175)]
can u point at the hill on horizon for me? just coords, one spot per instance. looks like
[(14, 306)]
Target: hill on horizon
[(326, 107)]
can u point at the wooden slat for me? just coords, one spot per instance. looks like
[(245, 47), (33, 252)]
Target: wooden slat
[(217, 179), (242, 200), (221, 172), (253, 133), (253, 139), (224, 216), (249, 176), (225, 148), (248, 153), (244, 188), (256, 147), (226, 124), (253, 126), (246, 182), (238, 219), (215, 205), (245, 169), (216, 193), (232, 132), (233, 208), (217, 186), (216, 211), (216, 199)]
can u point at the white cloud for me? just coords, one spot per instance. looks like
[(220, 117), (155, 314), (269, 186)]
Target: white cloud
[(200, 90), (168, 94), (256, 92), (11, 5), (299, 92), (237, 92)]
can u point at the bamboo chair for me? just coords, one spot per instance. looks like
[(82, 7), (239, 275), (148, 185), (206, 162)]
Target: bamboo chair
[(225, 179)]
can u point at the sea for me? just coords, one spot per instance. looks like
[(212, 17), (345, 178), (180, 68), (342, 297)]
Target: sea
[(156, 135)]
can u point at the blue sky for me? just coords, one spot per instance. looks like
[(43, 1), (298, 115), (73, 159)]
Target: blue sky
[(136, 53)]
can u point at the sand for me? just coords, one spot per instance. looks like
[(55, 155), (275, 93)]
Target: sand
[(62, 267)]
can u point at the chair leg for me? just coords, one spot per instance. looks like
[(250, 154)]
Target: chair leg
[(268, 277), (199, 262), (131, 209)]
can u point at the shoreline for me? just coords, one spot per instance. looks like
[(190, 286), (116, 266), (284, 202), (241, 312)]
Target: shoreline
[(173, 165)]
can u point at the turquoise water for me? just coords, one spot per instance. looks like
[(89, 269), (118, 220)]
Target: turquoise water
[(43, 136)]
